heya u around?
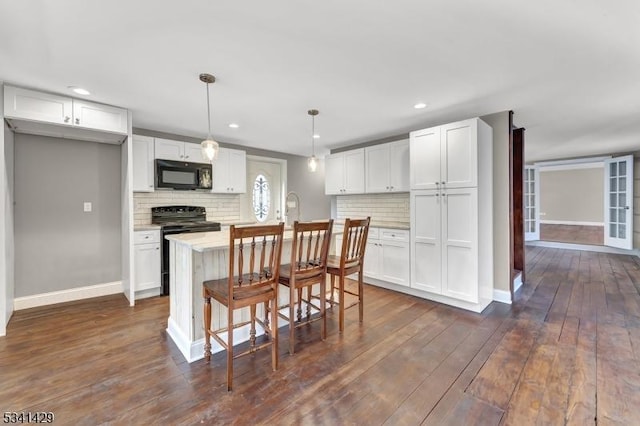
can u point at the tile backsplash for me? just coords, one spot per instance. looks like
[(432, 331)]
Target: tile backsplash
[(384, 209), (220, 207)]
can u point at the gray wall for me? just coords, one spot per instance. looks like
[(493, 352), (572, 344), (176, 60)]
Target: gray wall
[(57, 245), (6, 225), (309, 186), (501, 193), (575, 195)]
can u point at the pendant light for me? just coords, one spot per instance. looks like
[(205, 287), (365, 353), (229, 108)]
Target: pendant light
[(209, 146), (312, 162)]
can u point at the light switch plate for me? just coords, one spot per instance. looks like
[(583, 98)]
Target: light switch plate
[(87, 206)]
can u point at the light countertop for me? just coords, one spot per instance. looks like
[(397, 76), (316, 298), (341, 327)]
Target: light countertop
[(206, 241), (147, 227)]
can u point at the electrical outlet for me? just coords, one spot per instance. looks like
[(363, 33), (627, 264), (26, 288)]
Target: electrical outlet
[(87, 206)]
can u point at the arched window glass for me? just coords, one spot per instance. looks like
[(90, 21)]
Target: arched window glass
[(261, 198)]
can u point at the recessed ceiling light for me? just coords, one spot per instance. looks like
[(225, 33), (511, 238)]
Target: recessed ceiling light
[(316, 136), (80, 90), (233, 125), (420, 105)]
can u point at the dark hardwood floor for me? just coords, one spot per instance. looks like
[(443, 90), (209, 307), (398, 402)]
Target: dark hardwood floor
[(566, 352), (574, 234)]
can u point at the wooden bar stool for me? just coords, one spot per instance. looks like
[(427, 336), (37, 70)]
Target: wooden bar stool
[(350, 261), (254, 266), (307, 267)]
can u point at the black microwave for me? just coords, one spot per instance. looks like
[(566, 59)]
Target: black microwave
[(182, 175)]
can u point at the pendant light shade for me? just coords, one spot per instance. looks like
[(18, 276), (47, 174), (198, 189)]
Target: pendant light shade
[(209, 146), (312, 162)]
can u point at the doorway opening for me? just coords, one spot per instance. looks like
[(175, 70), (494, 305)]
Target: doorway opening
[(582, 201)]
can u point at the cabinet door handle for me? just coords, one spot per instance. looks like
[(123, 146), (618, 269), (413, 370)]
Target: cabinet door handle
[(437, 183), (157, 248), (66, 119), (443, 182), (77, 121), (437, 195)]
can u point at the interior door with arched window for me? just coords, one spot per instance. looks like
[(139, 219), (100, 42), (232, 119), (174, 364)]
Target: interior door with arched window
[(262, 203)]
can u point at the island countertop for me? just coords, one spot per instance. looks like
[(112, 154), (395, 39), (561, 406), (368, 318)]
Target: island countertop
[(206, 241)]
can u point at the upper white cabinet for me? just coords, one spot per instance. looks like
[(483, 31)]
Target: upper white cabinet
[(143, 163), (101, 117), (344, 173), (168, 149), (28, 110), (230, 172), (446, 156), (37, 106), (387, 167)]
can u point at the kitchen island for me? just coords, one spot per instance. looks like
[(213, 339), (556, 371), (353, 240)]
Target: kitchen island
[(194, 258)]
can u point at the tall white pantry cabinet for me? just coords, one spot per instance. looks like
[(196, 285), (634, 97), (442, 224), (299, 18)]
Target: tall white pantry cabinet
[(451, 213)]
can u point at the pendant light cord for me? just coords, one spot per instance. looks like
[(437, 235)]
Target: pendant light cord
[(313, 133), (208, 113)]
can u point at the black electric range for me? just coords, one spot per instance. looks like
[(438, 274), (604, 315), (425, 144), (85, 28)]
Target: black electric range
[(178, 220)]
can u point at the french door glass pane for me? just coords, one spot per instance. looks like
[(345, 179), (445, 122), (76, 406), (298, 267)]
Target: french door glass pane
[(622, 231), (612, 230), (613, 214), (622, 216), (612, 184), (622, 183), (613, 200), (623, 168), (622, 197), (613, 167)]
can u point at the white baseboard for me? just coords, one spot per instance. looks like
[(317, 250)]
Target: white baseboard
[(517, 282), (583, 247), (570, 222), (502, 296), (69, 295)]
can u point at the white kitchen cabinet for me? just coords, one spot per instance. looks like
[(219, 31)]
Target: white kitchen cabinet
[(31, 111), (451, 217), (230, 172), (146, 263), (446, 156), (143, 163), (99, 117), (387, 256), (446, 243), (344, 173), (387, 167), (167, 149), (37, 106)]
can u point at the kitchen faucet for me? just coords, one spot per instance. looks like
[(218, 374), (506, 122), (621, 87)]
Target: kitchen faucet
[(295, 204)]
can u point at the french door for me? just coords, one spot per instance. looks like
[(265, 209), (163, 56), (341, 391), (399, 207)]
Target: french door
[(618, 200), (531, 204)]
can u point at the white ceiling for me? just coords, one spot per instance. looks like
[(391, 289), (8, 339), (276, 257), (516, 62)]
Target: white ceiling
[(570, 70)]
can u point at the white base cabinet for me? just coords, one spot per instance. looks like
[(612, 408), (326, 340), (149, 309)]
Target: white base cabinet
[(387, 256), (147, 261)]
